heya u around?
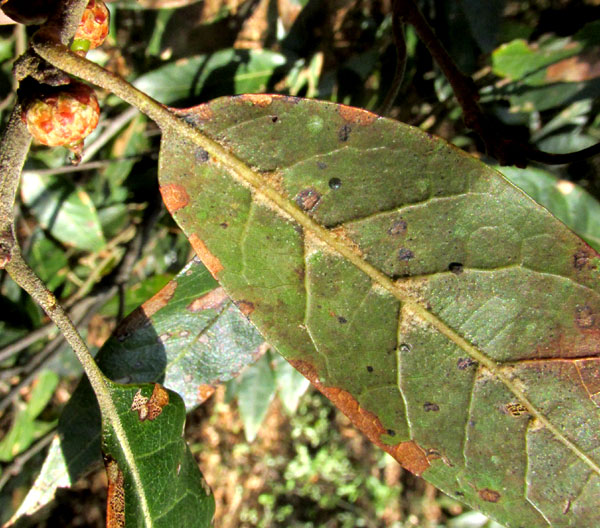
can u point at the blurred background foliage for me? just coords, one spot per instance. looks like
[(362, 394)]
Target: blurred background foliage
[(275, 453)]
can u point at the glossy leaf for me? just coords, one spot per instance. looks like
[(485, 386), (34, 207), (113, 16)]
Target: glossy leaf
[(189, 337), (223, 72), (154, 480), (68, 213), (451, 317)]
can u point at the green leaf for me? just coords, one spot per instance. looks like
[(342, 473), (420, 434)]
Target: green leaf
[(568, 202), (189, 337), (67, 212), (291, 385), (451, 317), (154, 480), (25, 428), (223, 72), (255, 388)]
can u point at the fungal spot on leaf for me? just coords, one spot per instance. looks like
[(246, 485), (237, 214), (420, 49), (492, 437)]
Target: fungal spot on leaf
[(584, 316), (357, 115), (335, 183), (163, 338), (175, 196), (369, 368), (344, 133), (224, 225), (308, 199), (212, 300), (431, 407), (201, 155), (321, 165), (516, 409), (342, 320), (405, 254), (580, 259), (465, 363), (405, 347), (246, 307), (398, 228), (391, 432), (262, 100), (489, 495), (152, 407), (274, 119), (115, 500), (455, 267), (212, 263)]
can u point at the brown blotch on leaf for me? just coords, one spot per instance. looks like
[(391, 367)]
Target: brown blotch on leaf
[(262, 100), (196, 114), (115, 499), (431, 407), (356, 115), (140, 317), (175, 196), (211, 301), (516, 409), (408, 454), (205, 392), (489, 495), (246, 307), (581, 258), (201, 155), (405, 254), (584, 316), (398, 228), (150, 408), (344, 133), (212, 263), (465, 363), (589, 372), (308, 199)]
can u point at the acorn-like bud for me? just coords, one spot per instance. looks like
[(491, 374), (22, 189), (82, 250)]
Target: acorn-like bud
[(93, 27), (63, 116)]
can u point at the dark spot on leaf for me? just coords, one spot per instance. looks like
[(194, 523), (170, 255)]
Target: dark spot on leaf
[(201, 155), (580, 259), (459, 494), (308, 199), (391, 432), (516, 409), (584, 316), (489, 495), (300, 272), (397, 228), (456, 267), (321, 164), (429, 406), (465, 363), (405, 254), (404, 347), (342, 320), (369, 368), (335, 183), (274, 119), (224, 225), (344, 132)]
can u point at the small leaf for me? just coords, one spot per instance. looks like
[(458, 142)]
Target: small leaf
[(67, 212), (255, 389), (453, 319), (154, 480)]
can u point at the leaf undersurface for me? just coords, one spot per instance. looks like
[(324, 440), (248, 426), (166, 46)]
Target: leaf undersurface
[(453, 319)]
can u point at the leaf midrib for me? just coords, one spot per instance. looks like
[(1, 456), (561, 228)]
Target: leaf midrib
[(261, 187)]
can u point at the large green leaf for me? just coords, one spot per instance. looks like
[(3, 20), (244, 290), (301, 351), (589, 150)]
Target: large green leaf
[(189, 337), (453, 319)]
